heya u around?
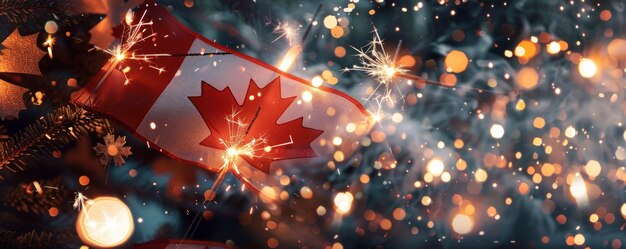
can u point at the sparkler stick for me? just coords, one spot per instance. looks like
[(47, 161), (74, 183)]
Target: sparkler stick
[(308, 29), (439, 84), (210, 194), (290, 33), (190, 54), (106, 75), (235, 147)]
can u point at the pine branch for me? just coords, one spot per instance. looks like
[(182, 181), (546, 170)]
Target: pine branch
[(22, 11), (48, 134), (3, 134), (29, 16), (35, 239), (22, 232), (54, 194)]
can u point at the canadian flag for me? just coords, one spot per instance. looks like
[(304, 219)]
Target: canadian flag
[(206, 110)]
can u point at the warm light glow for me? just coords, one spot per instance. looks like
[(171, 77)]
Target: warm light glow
[(343, 202), (587, 68), (462, 224), (307, 96), (289, 58), (554, 47), (288, 30), (237, 145), (497, 131), (526, 50), (456, 61), (330, 21), (376, 62), (527, 78), (317, 81), (593, 168), (105, 222), (119, 55), (435, 167), (232, 152), (132, 35), (570, 132), (49, 43), (481, 175), (578, 189)]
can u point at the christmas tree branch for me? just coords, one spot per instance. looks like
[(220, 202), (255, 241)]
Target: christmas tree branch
[(48, 134), (20, 11), (35, 239), (29, 199)]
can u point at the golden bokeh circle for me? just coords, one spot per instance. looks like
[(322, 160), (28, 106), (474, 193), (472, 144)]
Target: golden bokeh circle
[(105, 222)]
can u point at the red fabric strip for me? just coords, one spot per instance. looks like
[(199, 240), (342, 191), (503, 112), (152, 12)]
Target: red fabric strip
[(129, 103)]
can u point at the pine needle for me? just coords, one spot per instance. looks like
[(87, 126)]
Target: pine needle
[(48, 134)]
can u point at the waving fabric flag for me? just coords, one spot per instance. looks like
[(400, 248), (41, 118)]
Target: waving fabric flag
[(207, 110)]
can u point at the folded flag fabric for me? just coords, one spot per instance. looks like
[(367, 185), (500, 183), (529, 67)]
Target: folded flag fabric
[(223, 109)]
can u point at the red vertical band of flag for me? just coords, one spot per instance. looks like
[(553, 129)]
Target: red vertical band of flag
[(129, 103)]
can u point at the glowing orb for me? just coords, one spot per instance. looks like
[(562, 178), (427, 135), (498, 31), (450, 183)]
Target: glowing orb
[(456, 61), (587, 68), (435, 166), (105, 222), (497, 131), (554, 47), (343, 202), (578, 188), (462, 224)]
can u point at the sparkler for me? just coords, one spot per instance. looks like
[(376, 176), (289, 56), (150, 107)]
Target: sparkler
[(133, 35), (375, 61), (288, 30), (238, 145), (378, 64), (291, 32), (381, 66), (379, 114), (290, 57)]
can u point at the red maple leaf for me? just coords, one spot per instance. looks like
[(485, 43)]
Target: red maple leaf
[(254, 124)]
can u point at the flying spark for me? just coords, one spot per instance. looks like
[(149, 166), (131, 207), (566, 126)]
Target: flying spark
[(49, 43), (376, 62), (132, 35), (79, 201), (288, 30), (239, 145)]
